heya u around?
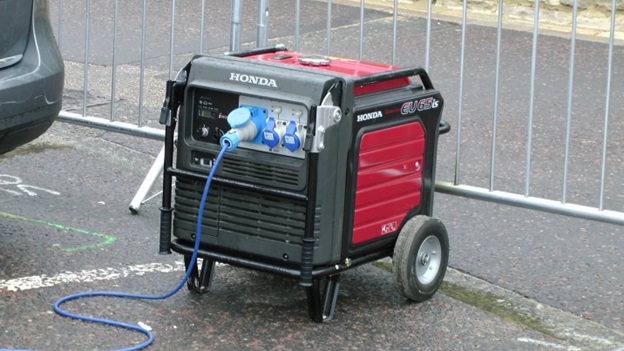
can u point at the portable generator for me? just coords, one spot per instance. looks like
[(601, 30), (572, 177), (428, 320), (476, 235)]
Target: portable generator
[(330, 164)]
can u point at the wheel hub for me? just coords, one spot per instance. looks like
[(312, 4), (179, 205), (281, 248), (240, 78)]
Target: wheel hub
[(425, 259), (428, 259)]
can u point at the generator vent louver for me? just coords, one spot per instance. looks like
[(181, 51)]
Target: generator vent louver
[(288, 176), (266, 216), (229, 210)]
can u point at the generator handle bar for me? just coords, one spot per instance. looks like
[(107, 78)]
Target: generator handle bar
[(241, 185), (258, 51), (396, 74)]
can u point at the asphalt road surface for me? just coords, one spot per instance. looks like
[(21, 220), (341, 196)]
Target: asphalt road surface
[(520, 279), (65, 228)]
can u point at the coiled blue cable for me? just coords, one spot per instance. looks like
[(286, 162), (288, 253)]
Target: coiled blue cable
[(150, 336)]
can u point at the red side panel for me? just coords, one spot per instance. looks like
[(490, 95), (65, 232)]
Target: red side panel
[(389, 179)]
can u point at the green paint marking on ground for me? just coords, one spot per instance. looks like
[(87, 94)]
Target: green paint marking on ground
[(108, 239)]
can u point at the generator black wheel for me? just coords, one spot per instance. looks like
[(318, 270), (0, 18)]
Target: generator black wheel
[(420, 258)]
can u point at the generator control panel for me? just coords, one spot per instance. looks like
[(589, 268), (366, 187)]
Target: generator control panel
[(271, 126)]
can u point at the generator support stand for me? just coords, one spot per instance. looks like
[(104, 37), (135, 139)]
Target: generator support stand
[(322, 304), (200, 279)]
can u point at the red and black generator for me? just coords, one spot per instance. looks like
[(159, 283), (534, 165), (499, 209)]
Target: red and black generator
[(330, 165)]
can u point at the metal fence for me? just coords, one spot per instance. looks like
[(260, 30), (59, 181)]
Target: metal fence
[(537, 118)]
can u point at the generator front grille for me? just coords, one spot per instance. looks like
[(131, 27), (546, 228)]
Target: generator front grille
[(288, 176), (231, 210)]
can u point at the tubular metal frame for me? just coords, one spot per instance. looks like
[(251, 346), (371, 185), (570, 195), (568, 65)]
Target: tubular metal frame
[(459, 187)]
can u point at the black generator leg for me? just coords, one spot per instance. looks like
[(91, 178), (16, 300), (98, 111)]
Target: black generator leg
[(322, 304), (200, 279)]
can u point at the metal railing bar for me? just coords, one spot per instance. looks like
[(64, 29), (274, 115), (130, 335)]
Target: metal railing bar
[(86, 58), (533, 203), (59, 33), (428, 34), (499, 34), (115, 126), (202, 24), (329, 12), (361, 39), (235, 25), (261, 23), (527, 175), (461, 90), (395, 10), (172, 38), (566, 153), (605, 129), (114, 64), (297, 18), (142, 64)]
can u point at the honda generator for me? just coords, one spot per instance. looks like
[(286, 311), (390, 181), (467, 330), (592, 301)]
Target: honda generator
[(329, 164)]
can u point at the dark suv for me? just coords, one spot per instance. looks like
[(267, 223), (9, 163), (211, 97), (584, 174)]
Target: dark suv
[(31, 72)]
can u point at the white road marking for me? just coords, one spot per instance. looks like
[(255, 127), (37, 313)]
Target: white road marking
[(12, 192), (589, 337), (6, 179), (85, 276), (102, 274), (25, 188), (549, 344)]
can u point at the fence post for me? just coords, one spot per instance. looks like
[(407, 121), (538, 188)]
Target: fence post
[(261, 26), (235, 25)]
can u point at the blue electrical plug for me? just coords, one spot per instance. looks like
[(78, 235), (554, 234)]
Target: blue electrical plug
[(246, 123)]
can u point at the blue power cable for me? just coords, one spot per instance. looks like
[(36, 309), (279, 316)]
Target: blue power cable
[(150, 336)]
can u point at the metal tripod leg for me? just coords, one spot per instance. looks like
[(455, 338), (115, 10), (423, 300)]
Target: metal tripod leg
[(148, 182), (322, 305)]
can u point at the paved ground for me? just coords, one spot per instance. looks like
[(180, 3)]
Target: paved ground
[(520, 280), (67, 230)]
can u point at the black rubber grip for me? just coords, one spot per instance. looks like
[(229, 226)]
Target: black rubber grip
[(165, 231), (307, 255), (258, 51)]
